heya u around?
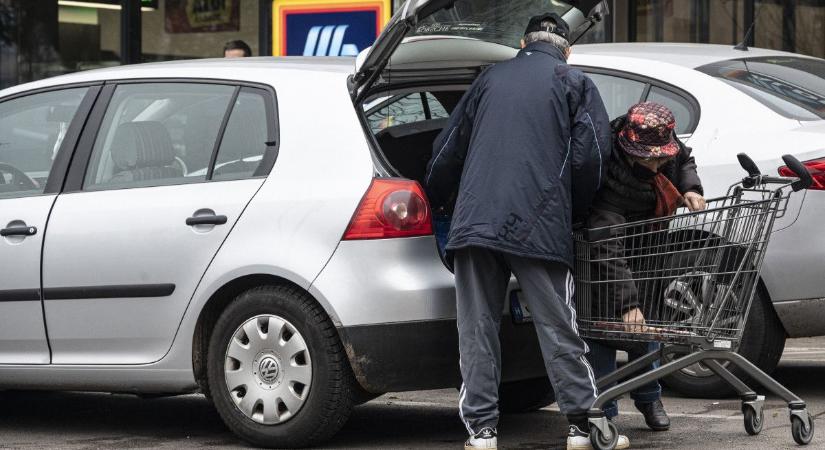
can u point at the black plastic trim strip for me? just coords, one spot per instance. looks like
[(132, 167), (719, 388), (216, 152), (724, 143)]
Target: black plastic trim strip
[(83, 150), (113, 291), (226, 114), (20, 295)]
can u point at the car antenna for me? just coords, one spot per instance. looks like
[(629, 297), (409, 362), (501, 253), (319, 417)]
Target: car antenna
[(743, 46)]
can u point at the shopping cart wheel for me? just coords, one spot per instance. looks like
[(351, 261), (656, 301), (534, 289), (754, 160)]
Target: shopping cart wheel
[(802, 432), (753, 419), (600, 442)]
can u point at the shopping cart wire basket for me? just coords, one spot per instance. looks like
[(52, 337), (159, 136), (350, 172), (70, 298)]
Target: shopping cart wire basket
[(693, 277)]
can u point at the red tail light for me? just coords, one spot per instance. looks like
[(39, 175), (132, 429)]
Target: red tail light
[(817, 169), (391, 208)]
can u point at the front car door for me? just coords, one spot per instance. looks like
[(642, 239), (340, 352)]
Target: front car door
[(37, 134), (149, 199)]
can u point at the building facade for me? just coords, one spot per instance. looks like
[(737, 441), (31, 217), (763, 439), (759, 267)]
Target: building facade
[(43, 38)]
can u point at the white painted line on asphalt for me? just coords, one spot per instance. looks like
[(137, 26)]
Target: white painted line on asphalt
[(685, 415)]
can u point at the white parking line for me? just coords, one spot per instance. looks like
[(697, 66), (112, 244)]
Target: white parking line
[(686, 415)]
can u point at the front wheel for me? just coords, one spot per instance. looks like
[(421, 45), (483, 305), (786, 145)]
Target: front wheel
[(278, 374), (802, 433), (600, 442)]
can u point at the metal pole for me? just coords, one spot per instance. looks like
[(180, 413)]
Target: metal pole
[(750, 18), (265, 28), (130, 32)]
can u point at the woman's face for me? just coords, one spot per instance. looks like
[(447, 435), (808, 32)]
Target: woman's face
[(652, 164)]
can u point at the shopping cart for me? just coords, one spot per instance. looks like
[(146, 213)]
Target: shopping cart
[(694, 276)]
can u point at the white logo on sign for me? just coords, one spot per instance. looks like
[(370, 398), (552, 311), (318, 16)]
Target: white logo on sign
[(328, 41)]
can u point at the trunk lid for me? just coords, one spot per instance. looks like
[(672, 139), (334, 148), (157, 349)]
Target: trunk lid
[(493, 21)]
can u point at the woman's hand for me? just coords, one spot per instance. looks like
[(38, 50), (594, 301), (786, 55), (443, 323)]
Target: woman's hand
[(634, 321), (694, 201)]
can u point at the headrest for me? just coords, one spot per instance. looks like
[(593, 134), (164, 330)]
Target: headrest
[(142, 144)]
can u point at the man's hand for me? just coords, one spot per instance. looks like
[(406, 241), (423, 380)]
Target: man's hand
[(694, 201), (634, 321)]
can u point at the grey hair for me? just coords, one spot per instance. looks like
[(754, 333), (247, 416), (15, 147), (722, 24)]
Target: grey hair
[(546, 36)]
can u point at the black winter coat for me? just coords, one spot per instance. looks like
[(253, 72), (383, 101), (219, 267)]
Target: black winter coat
[(624, 199), (522, 155)]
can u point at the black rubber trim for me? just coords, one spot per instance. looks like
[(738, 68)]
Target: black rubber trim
[(221, 130), (83, 150), (20, 295), (406, 356), (115, 291)]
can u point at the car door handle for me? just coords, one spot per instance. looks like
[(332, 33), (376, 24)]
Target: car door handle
[(206, 220), (18, 231)]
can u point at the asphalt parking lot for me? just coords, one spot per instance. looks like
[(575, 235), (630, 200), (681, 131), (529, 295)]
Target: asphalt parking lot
[(407, 420)]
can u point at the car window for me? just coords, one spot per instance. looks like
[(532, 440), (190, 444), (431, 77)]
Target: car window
[(404, 109), (156, 134), (488, 20), (677, 104), (618, 93), (31, 131), (791, 86), (244, 142)]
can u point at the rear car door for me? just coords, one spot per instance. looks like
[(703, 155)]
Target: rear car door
[(156, 185), (37, 134)]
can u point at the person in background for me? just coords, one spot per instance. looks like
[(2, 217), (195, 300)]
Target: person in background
[(519, 159), (650, 174), (236, 49)]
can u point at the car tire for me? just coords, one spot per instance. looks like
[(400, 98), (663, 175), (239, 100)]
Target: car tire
[(525, 395), (291, 407), (762, 343)]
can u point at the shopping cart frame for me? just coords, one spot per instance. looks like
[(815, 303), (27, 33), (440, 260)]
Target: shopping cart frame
[(678, 354)]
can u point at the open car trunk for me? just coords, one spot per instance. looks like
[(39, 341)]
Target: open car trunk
[(407, 84)]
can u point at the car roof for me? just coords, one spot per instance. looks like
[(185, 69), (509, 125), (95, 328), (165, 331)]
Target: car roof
[(240, 69), (680, 54)]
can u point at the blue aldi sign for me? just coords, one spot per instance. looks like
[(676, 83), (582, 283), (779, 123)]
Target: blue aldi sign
[(326, 27)]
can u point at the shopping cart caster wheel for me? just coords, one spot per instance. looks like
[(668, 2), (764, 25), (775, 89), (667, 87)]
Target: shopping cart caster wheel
[(802, 432), (600, 442), (753, 419)]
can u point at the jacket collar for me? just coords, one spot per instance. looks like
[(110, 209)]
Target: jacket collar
[(544, 47)]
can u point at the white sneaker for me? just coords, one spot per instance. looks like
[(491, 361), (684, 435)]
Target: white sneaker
[(486, 438), (579, 440)]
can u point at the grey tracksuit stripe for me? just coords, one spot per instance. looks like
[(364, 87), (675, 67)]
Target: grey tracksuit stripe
[(482, 277)]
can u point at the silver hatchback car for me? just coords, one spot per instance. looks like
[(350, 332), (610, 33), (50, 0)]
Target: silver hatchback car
[(227, 226)]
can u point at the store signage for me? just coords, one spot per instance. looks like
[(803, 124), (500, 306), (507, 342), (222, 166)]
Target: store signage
[(326, 27), (197, 16)]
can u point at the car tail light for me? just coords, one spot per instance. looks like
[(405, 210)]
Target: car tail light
[(817, 169), (391, 208)]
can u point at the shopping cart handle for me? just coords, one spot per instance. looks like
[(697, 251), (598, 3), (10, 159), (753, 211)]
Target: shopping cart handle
[(747, 163), (805, 179)]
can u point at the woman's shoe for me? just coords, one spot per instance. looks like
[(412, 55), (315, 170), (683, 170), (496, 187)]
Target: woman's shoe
[(655, 416)]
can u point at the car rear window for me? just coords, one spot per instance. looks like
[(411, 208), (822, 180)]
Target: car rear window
[(792, 86), (488, 20)]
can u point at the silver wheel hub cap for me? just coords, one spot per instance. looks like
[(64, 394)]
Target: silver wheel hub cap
[(267, 369)]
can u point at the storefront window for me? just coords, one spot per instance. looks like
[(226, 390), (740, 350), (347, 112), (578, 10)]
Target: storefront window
[(185, 29), (44, 38)]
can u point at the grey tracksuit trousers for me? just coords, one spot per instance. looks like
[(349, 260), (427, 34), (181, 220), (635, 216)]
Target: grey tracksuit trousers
[(482, 277)]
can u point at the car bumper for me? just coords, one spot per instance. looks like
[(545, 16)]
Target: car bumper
[(395, 307), (424, 355)]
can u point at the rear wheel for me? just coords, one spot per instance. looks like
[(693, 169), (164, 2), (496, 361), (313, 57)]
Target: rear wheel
[(525, 395), (762, 343), (278, 374)]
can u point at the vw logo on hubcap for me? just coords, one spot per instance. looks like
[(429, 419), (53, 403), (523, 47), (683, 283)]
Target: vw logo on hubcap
[(268, 370)]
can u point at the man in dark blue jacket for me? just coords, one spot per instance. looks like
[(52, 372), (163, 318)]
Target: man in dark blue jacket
[(520, 160)]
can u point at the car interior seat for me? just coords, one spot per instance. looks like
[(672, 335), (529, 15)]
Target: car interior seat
[(143, 151), (409, 147)]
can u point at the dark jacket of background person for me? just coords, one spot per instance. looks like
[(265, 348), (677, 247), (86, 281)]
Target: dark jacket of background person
[(523, 153), (625, 198)]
